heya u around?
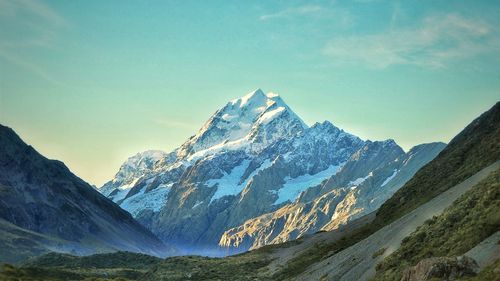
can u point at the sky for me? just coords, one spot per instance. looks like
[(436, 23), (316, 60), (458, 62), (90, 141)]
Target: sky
[(91, 83)]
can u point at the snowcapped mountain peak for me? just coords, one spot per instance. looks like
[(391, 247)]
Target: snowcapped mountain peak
[(255, 156), (389, 143), (138, 164), (258, 100), (324, 126), (249, 122), (272, 95), (256, 97), (144, 159)]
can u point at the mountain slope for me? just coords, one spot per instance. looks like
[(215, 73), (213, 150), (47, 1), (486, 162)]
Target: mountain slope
[(476, 147), (350, 264), (42, 198)]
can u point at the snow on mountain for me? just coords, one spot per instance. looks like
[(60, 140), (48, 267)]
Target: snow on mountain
[(152, 200), (130, 172), (388, 179), (250, 122), (231, 184), (294, 186), (359, 181), (251, 157)]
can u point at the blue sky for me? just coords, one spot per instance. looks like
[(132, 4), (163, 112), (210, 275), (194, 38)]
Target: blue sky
[(93, 82)]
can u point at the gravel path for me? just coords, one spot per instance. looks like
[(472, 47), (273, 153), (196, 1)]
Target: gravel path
[(357, 262)]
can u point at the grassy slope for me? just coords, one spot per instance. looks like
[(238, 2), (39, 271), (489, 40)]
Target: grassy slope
[(18, 244), (110, 260), (471, 219)]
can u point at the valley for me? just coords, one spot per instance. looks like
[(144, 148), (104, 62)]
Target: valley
[(136, 142), (373, 245)]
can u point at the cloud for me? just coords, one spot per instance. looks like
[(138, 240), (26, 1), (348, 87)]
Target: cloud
[(294, 11), (34, 10), (28, 25), (433, 43), (34, 68)]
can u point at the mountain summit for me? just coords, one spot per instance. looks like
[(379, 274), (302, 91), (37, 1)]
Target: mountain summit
[(251, 122), (255, 156)]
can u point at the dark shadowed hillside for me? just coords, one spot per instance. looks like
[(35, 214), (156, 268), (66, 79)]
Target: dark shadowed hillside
[(44, 207)]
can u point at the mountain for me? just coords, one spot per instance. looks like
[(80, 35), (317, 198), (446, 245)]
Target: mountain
[(44, 207), (252, 157)]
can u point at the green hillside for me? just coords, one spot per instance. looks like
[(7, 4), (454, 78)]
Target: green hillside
[(471, 219)]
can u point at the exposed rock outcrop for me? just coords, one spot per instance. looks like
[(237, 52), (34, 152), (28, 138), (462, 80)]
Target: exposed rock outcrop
[(444, 268)]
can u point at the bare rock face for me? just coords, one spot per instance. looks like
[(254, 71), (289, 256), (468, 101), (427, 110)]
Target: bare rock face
[(441, 267)]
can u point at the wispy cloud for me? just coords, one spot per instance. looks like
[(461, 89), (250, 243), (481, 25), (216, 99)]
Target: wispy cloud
[(36, 8), (293, 11), (33, 68), (28, 24), (433, 43)]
